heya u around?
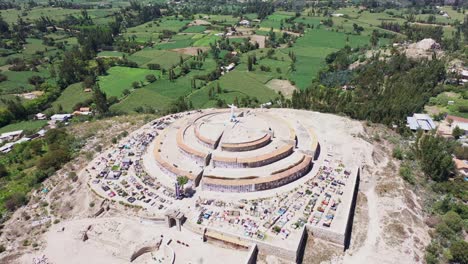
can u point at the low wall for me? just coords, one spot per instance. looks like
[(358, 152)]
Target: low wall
[(252, 256), (341, 235)]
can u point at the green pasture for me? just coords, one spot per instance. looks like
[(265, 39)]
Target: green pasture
[(151, 55), (71, 96), (31, 126), (120, 78)]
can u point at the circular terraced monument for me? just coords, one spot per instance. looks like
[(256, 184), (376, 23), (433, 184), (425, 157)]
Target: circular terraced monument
[(237, 150)]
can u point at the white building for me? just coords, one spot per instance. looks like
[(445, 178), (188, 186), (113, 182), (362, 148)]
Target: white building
[(41, 116), (60, 117), (244, 23), (420, 121), (11, 135)]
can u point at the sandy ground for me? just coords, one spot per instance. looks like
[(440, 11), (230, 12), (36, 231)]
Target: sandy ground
[(283, 86), (115, 239), (192, 51), (199, 22), (259, 39), (395, 230)]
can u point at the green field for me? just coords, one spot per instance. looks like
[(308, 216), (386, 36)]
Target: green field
[(151, 55), (72, 95), (11, 15), (29, 126), (195, 29), (110, 54), (205, 41), (120, 78), (142, 98), (313, 47), (18, 81)]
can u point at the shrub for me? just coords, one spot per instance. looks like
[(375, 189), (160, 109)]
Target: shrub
[(15, 201)]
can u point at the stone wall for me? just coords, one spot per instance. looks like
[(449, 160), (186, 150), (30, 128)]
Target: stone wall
[(338, 234), (252, 255)]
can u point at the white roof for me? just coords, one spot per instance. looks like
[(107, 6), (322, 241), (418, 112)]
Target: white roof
[(60, 116), (420, 121), (461, 125), (11, 134)]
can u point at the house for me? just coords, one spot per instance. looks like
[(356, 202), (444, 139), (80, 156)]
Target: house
[(83, 111), (462, 166), (226, 69), (459, 122), (244, 22), (41, 116), (60, 117), (420, 121), (464, 76), (11, 135), (87, 90), (6, 148)]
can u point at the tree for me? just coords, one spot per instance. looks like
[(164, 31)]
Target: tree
[(15, 201), (135, 85), (457, 132), (374, 40), (100, 100), (434, 154), (3, 171), (182, 180), (459, 252), (249, 63)]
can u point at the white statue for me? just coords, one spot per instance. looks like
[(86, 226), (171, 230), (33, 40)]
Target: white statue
[(233, 116)]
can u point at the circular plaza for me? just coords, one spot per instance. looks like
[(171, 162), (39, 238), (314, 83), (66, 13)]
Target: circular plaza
[(237, 150)]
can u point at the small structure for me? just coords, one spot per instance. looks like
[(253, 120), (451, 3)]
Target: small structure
[(337, 15), (228, 68), (459, 122), (244, 22), (463, 76), (83, 111), (41, 116), (462, 166), (420, 121), (60, 117), (8, 136), (174, 217)]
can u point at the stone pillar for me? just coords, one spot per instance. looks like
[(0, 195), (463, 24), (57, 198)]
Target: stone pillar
[(179, 223), (168, 221)]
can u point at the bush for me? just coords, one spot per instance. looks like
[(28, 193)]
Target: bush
[(459, 252), (398, 153), (150, 78), (15, 201), (407, 174), (454, 221)]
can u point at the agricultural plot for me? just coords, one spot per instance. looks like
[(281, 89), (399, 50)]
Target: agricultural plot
[(205, 41), (11, 15), (275, 20), (110, 54), (142, 98), (34, 46), (449, 102), (151, 55), (119, 79), (17, 81), (313, 47), (195, 29), (31, 126), (71, 96), (234, 84)]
